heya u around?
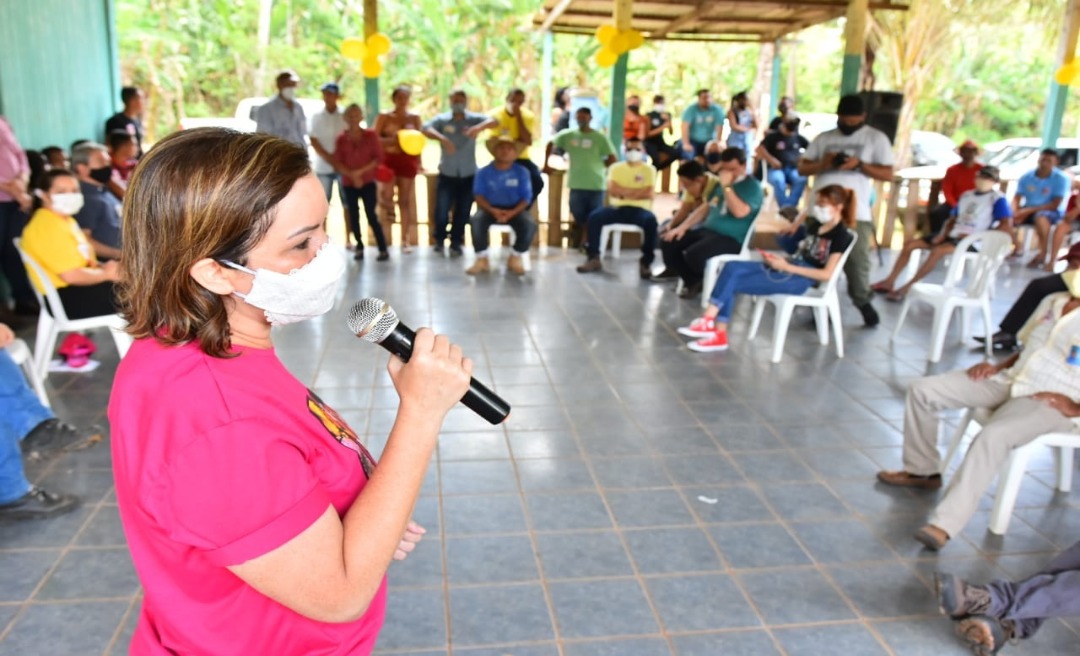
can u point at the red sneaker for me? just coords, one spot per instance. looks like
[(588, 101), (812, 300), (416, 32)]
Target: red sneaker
[(700, 327), (717, 341)]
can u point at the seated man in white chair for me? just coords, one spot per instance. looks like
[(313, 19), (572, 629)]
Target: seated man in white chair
[(630, 190), (977, 210), (1034, 392), (503, 193)]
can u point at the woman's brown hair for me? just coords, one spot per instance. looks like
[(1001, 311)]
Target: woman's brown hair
[(845, 198), (202, 193)]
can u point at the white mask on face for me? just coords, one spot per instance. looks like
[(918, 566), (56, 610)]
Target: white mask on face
[(659, 108), (67, 204), (983, 185), (289, 93), (824, 214), (303, 293), (634, 156)]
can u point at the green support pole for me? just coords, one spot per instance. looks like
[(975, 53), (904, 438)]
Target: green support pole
[(371, 99), (1055, 102), (618, 100), (849, 82), (774, 88)]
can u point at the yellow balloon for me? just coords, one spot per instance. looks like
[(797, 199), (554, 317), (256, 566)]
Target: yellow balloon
[(620, 44), (605, 33), (378, 44), (635, 39), (411, 141), (353, 48), (606, 58), (1067, 74), (371, 66)]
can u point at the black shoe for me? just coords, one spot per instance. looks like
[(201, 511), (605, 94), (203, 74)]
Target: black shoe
[(383, 256), (644, 270), (690, 291), (1001, 341), (455, 251), (52, 437), (38, 504), (869, 315), (957, 598), (438, 249), (665, 275), (358, 255), (790, 212), (26, 309)]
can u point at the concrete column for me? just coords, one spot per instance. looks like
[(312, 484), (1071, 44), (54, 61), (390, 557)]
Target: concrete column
[(1055, 102), (854, 45)]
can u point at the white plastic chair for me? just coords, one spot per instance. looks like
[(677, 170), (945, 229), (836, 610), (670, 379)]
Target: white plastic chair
[(505, 229), (824, 300), (946, 297), (716, 263), (21, 355), (1011, 474), (615, 231), (51, 325)]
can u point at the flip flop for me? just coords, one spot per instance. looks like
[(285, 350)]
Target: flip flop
[(894, 297), (880, 288)]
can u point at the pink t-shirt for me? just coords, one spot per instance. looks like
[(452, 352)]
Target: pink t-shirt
[(218, 461)]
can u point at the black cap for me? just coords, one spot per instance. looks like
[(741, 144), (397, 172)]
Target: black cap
[(331, 86), (851, 106)]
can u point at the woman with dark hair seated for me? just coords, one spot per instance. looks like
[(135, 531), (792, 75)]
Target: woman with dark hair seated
[(816, 259), (55, 241)]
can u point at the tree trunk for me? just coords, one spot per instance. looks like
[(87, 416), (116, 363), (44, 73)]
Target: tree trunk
[(763, 83)]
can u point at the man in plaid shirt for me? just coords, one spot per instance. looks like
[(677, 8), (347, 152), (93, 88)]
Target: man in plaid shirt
[(1036, 391)]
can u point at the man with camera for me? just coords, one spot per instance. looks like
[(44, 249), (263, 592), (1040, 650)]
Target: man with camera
[(851, 156)]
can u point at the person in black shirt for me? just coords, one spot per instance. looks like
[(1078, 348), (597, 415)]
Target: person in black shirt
[(781, 149), (787, 104), (130, 119), (660, 153)]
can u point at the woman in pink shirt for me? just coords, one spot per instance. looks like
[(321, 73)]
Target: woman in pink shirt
[(257, 521), (357, 153)]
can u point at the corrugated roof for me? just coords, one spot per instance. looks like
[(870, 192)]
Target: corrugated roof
[(700, 20)]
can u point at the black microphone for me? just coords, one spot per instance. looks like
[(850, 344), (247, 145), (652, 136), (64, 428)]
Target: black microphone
[(373, 320)]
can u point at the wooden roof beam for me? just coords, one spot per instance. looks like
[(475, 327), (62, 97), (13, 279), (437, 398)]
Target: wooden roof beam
[(699, 11), (554, 15)]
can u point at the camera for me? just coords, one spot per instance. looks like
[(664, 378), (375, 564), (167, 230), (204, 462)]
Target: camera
[(839, 159)]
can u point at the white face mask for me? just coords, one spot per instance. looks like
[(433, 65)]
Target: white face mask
[(984, 185), (301, 294), (659, 108), (289, 93), (67, 204), (824, 214), (634, 156)]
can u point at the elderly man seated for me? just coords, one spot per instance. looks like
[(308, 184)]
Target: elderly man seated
[(1034, 392), (630, 190), (503, 193), (976, 211)]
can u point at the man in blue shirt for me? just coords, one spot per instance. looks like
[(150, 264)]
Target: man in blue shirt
[(456, 130), (282, 116), (701, 123), (503, 192), (1040, 200), (100, 213)]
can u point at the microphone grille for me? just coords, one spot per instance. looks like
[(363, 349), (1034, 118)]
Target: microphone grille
[(371, 319)]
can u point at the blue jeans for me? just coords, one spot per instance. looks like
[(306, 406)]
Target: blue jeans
[(752, 278), (781, 179), (522, 224), (790, 243), (638, 216), (20, 413), (452, 194), (584, 202)]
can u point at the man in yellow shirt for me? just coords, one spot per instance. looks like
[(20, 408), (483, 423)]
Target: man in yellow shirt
[(520, 125), (630, 191)]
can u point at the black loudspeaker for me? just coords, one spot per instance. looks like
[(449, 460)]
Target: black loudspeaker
[(883, 111)]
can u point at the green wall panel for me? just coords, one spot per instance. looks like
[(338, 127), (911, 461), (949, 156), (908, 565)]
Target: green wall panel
[(58, 70)]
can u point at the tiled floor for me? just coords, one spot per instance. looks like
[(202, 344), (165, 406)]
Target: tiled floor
[(641, 500)]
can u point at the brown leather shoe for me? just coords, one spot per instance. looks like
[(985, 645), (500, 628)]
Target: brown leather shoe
[(515, 265), (932, 537), (591, 265), (957, 598), (904, 479)]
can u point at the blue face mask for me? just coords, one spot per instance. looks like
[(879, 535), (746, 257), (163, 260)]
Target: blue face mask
[(457, 108)]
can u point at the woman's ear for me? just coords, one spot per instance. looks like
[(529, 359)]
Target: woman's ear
[(212, 276)]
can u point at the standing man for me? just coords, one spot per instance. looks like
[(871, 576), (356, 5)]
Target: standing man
[(14, 205), (100, 214), (282, 116), (590, 153), (324, 128), (631, 185), (702, 122), (959, 179), (1040, 200), (851, 156), (634, 124), (456, 130), (130, 118), (502, 196), (781, 149), (661, 154), (518, 123)]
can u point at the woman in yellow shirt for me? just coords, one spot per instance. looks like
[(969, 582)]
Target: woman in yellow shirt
[(57, 243)]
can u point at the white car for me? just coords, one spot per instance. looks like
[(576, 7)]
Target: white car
[(927, 148), (243, 119)]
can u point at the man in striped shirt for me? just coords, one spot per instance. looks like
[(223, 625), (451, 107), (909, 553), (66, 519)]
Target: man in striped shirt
[(1036, 391)]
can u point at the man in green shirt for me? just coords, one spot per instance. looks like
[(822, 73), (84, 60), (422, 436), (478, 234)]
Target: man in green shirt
[(733, 205), (590, 153)]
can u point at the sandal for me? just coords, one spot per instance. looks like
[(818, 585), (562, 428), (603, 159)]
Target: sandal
[(894, 297), (880, 288)]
